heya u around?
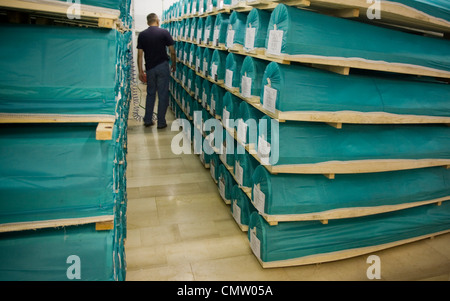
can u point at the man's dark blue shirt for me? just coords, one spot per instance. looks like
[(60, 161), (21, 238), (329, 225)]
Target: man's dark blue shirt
[(154, 41)]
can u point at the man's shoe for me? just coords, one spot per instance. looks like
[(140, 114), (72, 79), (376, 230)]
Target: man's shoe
[(161, 126), (148, 124)]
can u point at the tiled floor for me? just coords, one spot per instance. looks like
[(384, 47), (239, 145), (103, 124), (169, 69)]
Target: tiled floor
[(180, 229)]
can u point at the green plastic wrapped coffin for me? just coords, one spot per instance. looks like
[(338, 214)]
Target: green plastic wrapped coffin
[(248, 120), (217, 65), (48, 255), (252, 72), (198, 85), (55, 172), (293, 142), (230, 110), (236, 29), (60, 75), (214, 164), (256, 29), (297, 243), (187, 28), (306, 34), (220, 29), (241, 208), (206, 93), (193, 30), (244, 168), (330, 92), (307, 193), (436, 8), (199, 59), (191, 56), (225, 183), (216, 100), (233, 71), (207, 57), (200, 27), (113, 4), (208, 31)]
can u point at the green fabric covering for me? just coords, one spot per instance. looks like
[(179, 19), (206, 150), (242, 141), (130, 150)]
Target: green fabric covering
[(226, 179), (327, 91), (253, 68), (309, 33), (217, 94), (208, 31), (237, 24), (306, 193), (250, 116), (303, 142), (258, 19), (217, 65), (221, 25), (248, 164), (59, 75), (290, 240), (200, 30), (56, 171), (242, 205), (233, 66), (207, 56), (41, 255), (231, 104)]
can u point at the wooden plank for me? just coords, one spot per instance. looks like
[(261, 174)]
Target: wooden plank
[(54, 118), (104, 131), (33, 225), (346, 212), (104, 226), (339, 255), (360, 63)]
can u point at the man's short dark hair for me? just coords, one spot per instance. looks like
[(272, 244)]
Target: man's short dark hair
[(152, 18)]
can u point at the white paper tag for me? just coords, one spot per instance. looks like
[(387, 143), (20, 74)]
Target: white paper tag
[(196, 93), (269, 98), (209, 6), (220, 4), (191, 58), (213, 105), (223, 154), (242, 131), (205, 68), (238, 173), (236, 212), (259, 198), (225, 117), (229, 78), (212, 169), (255, 244), (263, 150), (234, 2), (230, 38), (222, 187), (204, 99), (197, 64), (189, 82), (214, 71), (246, 86), (207, 35), (199, 36), (184, 79), (275, 42), (250, 34), (216, 37)]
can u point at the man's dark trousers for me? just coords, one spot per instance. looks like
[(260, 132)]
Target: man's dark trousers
[(157, 81)]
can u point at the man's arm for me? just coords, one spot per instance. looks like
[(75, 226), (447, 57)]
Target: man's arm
[(173, 58), (141, 65)]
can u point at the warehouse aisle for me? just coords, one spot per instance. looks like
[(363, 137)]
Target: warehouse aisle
[(180, 229)]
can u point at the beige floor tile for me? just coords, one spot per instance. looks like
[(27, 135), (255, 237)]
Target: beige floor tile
[(181, 272)]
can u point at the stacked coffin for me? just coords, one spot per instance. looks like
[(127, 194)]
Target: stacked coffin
[(319, 163), (64, 98)]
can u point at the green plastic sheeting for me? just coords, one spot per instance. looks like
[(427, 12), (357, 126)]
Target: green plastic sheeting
[(327, 91), (306, 193), (295, 240), (198, 59), (217, 65), (214, 164), (231, 105), (236, 29), (220, 29), (198, 84), (313, 34), (244, 168), (257, 21), (241, 208), (190, 80), (206, 93), (44, 255), (308, 143), (252, 72), (113, 4), (187, 28), (57, 171), (191, 56), (233, 66), (208, 31), (60, 75), (193, 30), (250, 116)]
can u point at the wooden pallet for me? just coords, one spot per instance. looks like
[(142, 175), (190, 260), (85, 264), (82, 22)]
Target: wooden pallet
[(104, 129), (102, 223), (339, 255), (66, 11)]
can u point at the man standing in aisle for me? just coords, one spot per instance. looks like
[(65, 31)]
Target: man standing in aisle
[(152, 44)]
